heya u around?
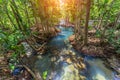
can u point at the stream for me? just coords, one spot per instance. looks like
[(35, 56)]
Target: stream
[(60, 70)]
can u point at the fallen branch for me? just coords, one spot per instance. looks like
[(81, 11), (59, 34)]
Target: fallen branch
[(30, 71), (40, 38), (35, 75), (41, 47)]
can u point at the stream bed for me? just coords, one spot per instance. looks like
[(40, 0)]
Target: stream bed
[(60, 70)]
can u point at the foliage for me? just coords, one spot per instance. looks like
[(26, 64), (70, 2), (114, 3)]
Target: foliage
[(113, 39), (107, 14), (45, 75), (10, 42), (14, 27)]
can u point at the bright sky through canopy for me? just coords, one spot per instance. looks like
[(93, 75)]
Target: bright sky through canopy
[(61, 3)]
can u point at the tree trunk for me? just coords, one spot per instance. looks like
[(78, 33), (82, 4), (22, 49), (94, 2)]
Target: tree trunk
[(87, 20)]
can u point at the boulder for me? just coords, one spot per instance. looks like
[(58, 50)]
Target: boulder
[(72, 38), (98, 77), (68, 60)]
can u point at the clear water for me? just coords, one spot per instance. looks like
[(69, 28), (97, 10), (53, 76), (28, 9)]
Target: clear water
[(96, 70)]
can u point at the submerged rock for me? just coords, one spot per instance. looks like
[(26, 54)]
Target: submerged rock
[(68, 60), (71, 73), (71, 66), (67, 52), (70, 57), (98, 77)]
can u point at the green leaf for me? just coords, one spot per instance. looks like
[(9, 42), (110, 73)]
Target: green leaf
[(106, 1), (98, 33), (45, 75), (12, 67)]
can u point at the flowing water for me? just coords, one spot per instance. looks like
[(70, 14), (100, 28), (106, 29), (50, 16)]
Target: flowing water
[(95, 69)]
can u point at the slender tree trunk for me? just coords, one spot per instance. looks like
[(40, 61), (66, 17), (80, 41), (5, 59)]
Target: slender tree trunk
[(87, 20)]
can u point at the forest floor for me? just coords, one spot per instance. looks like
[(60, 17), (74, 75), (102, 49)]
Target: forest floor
[(17, 74)]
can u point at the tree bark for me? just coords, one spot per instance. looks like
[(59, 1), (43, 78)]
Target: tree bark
[(87, 20)]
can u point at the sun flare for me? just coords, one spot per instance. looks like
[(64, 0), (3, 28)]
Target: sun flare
[(61, 3)]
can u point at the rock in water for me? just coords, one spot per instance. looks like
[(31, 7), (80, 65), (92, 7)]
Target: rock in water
[(71, 73), (98, 77), (72, 38), (71, 66)]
